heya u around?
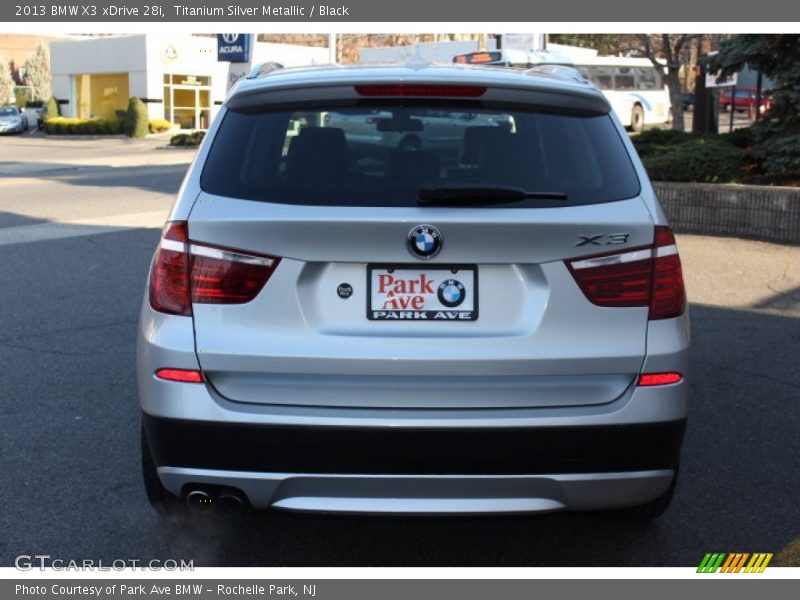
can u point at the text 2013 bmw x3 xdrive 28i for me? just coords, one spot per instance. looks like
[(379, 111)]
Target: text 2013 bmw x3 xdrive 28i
[(415, 290)]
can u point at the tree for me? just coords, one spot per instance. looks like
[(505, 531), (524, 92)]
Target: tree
[(777, 57), (137, 120), (50, 110), (673, 49), (37, 74), (776, 138), (6, 82)]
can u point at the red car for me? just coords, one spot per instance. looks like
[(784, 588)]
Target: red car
[(744, 100)]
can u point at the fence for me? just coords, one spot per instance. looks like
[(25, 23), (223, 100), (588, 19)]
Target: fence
[(758, 212)]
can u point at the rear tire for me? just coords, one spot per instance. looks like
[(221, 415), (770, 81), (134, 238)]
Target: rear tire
[(161, 499), (637, 118), (653, 509)]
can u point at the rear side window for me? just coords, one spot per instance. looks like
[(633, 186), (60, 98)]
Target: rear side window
[(383, 155)]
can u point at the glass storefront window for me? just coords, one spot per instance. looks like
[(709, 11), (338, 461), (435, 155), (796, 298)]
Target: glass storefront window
[(187, 100), (100, 95)]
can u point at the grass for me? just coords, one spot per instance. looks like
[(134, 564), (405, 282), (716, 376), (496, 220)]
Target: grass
[(789, 556)]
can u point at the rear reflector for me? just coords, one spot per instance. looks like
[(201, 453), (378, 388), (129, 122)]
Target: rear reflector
[(448, 91), (650, 379), (184, 272), (182, 375), (649, 276)]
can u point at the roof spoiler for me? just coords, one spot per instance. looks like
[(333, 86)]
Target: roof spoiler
[(560, 71), (264, 69)]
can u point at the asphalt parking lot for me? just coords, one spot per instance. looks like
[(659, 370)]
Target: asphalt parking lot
[(79, 220)]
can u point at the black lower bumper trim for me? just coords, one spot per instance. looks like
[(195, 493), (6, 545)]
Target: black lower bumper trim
[(384, 450)]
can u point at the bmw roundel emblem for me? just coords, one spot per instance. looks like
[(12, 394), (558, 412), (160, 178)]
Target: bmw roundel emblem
[(451, 293), (424, 241)]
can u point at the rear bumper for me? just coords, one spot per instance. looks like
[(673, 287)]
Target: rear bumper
[(429, 494), (414, 451), (412, 470)]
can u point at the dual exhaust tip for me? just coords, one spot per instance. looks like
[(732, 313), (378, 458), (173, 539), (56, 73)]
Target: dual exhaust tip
[(228, 501)]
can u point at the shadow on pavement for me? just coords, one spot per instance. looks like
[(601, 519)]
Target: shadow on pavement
[(9, 219), (155, 178), (782, 300)]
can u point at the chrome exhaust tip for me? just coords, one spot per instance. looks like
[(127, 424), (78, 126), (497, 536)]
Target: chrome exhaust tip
[(231, 502), (199, 500)]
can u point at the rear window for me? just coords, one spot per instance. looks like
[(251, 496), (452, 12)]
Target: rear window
[(383, 155)]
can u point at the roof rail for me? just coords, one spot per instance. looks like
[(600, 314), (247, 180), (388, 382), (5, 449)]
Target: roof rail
[(560, 71), (263, 69)]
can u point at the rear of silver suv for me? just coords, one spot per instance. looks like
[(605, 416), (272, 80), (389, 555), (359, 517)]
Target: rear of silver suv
[(432, 290)]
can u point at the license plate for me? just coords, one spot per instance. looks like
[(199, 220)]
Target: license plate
[(429, 293)]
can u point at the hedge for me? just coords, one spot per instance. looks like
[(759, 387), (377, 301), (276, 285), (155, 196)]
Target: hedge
[(113, 126), (68, 126), (187, 140), (702, 159), (160, 126), (757, 154), (670, 155)]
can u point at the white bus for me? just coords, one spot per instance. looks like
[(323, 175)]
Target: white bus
[(635, 88)]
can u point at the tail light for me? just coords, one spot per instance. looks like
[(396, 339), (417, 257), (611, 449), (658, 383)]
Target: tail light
[(184, 272), (169, 274), (649, 277)]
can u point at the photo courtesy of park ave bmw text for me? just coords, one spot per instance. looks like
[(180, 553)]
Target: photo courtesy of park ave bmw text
[(422, 290)]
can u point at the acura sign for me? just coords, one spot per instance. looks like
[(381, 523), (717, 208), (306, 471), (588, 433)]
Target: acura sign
[(233, 47)]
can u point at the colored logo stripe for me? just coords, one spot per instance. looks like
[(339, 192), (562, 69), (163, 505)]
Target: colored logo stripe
[(758, 563), (711, 563), (734, 562)]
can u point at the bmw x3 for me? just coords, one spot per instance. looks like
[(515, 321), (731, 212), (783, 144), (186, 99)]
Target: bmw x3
[(488, 320)]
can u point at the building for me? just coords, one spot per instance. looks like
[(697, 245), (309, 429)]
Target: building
[(179, 77)]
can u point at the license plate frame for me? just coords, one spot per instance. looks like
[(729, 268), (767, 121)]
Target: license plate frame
[(440, 312)]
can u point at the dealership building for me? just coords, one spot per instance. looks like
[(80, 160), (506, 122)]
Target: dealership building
[(181, 78)]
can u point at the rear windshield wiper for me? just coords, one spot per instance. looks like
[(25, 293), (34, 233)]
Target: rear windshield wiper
[(481, 196)]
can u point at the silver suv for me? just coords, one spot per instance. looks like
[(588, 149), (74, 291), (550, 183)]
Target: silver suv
[(490, 321)]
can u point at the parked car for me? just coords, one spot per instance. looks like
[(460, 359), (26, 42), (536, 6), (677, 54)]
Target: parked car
[(744, 100), (12, 120), (492, 323)]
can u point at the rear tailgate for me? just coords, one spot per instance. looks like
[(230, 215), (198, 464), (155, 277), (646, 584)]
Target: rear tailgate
[(537, 340)]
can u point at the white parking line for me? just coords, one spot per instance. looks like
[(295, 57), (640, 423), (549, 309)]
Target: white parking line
[(54, 230)]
